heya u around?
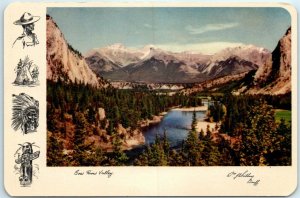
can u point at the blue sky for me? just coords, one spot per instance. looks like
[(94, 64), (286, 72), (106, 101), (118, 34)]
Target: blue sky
[(206, 30)]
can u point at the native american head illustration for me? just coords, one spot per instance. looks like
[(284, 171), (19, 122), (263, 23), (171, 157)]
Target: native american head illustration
[(25, 113)]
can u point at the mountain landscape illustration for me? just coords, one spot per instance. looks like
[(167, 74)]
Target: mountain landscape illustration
[(272, 77), (150, 64), (153, 65), (148, 106)]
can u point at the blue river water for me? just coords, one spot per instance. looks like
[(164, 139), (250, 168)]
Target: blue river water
[(176, 123)]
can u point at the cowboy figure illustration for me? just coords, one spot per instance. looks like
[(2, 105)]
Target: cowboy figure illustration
[(25, 160), (28, 38)]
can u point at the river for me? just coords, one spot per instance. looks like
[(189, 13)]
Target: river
[(177, 123)]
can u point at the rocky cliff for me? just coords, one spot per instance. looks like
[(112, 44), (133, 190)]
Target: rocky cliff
[(64, 62), (274, 77)]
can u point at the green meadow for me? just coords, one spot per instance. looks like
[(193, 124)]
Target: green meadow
[(283, 114)]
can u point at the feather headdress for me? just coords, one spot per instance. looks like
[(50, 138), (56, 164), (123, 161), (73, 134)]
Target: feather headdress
[(22, 105)]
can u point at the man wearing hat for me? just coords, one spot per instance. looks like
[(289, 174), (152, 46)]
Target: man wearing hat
[(28, 38)]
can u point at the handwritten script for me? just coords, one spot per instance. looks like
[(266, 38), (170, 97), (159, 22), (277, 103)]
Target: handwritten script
[(246, 175), (107, 173)]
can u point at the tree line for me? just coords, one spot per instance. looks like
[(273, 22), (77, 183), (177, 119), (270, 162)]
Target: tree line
[(247, 131), (77, 104), (256, 140)]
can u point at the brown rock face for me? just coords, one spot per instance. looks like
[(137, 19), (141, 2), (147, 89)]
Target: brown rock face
[(64, 62), (275, 76)]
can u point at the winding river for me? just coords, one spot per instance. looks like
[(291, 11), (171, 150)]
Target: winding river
[(177, 123)]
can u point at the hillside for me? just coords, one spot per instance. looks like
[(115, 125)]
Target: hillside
[(64, 62), (274, 77)]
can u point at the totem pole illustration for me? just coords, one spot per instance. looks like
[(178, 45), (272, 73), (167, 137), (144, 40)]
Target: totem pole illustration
[(25, 163)]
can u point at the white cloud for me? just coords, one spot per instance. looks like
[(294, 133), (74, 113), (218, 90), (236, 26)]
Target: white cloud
[(210, 27), (205, 48)]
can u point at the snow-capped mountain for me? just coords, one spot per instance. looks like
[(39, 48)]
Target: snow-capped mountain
[(65, 63), (193, 59), (272, 77), (239, 59), (272, 71), (229, 66), (99, 63), (162, 68), (151, 64), (117, 54)]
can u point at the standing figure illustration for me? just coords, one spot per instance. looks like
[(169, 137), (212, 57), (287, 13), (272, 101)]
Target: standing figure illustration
[(25, 162), (28, 38)]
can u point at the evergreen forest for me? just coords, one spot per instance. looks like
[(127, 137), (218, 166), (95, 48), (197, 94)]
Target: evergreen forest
[(248, 132)]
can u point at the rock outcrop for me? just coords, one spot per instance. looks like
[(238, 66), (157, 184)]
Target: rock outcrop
[(274, 77), (64, 62)]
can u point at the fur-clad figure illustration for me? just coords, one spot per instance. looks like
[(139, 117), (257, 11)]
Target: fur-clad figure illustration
[(25, 113), (28, 38), (24, 163)]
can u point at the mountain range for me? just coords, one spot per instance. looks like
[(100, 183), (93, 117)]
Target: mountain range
[(153, 65), (272, 77), (149, 64)]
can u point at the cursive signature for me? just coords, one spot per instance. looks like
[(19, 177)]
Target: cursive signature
[(244, 175)]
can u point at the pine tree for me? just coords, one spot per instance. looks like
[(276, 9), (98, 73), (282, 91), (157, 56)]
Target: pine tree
[(166, 144), (119, 157), (177, 158), (210, 152), (55, 155), (156, 154), (280, 152), (257, 135), (192, 146), (79, 147)]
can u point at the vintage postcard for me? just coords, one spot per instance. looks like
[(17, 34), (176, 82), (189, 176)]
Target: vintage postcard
[(150, 99)]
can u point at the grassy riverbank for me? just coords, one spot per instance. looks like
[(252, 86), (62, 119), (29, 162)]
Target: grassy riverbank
[(283, 114)]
